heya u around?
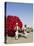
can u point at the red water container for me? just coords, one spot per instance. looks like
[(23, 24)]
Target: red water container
[(11, 23)]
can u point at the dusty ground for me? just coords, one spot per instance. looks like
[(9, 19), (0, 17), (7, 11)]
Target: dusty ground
[(11, 40)]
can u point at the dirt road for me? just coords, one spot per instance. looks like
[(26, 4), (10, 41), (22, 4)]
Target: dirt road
[(11, 40)]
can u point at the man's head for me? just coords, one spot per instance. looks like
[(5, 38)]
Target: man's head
[(16, 24)]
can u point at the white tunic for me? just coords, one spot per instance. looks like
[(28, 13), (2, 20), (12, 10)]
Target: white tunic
[(16, 33)]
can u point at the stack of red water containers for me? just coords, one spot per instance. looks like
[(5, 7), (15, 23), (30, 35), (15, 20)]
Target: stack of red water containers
[(11, 23)]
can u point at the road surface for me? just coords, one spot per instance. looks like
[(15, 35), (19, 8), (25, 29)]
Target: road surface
[(29, 39)]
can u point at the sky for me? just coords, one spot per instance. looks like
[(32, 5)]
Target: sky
[(23, 10)]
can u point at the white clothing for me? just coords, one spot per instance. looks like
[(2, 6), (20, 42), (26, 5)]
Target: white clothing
[(16, 33)]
